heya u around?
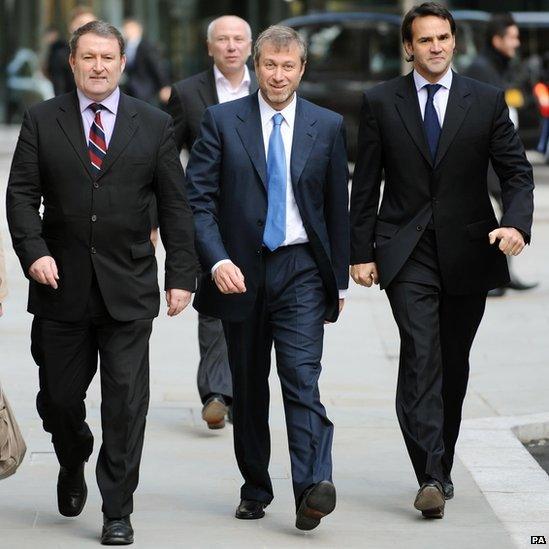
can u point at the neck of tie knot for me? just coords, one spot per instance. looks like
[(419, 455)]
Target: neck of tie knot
[(277, 119), (95, 107), (431, 90)]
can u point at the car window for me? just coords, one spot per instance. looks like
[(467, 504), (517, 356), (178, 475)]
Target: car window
[(353, 50)]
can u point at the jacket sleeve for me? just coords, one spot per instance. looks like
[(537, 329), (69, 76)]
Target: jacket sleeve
[(23, 198), (174, 215), (3, 281), (513, 169), (203, 185), (176, 107), (366, 187), (336, 208)]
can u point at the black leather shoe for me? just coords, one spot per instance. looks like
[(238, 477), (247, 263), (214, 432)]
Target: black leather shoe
[(214, 411), (497, 292), (71, 491), (317, 501), (519, 285), (250, 509), (448, 487), (430, 499), (117, 531)]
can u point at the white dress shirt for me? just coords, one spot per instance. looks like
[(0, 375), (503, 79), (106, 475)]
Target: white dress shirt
[(225, 91), (440, 100)]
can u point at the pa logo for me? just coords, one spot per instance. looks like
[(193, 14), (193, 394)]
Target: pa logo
[(537, 540)]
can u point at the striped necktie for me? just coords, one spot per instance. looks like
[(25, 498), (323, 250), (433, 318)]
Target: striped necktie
[(97, 145)]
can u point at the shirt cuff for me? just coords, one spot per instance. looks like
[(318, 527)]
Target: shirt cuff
[(218, 264), (343, 294)]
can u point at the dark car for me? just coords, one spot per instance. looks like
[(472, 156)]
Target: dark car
[(351, 52)]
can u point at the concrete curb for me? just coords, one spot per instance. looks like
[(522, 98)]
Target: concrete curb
[(512, 481)]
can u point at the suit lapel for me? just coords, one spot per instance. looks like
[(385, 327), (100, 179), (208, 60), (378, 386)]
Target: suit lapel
[(302, 141), (456, 110), (70, 120), (250, 132), (407, 104), (207, 89), (124, 129)]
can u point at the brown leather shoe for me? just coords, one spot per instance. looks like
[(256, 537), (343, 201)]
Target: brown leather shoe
[(317, 501), (214, 411), (430, 499)]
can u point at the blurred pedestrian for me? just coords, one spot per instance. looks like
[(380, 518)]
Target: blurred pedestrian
[(57, 67), (493, 66), (434, 243), (541, 94), (3, 280), (229, 42), (97, 157), (267, 182), (145, 76)]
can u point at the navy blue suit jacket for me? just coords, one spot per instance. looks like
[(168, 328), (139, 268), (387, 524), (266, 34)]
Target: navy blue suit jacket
[(227, 186)]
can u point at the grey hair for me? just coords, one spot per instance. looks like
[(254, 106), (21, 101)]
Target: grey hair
[(211, 26), (280, 37), (101, 28)]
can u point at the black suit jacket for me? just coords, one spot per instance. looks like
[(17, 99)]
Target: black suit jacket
[(146, 75), (188, 101), (452, 189), (99, 224), (227, 178)]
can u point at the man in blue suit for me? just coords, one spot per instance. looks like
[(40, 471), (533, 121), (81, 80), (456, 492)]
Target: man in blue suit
[(267, 183)]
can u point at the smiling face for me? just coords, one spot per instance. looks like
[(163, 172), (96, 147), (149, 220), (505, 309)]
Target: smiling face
[(97, 65), (279, 71), (230, 44), (432, 46)]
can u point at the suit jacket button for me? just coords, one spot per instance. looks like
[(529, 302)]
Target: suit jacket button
[(260, 223), (94, 218), (93, 250), (95, 185), (419, 228)]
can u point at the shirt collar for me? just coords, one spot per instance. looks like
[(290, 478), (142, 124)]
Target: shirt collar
[(445, 81), (110, 102), (220, 77), (267, 112)]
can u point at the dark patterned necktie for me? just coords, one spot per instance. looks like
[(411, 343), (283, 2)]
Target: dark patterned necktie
[(97, 145), (430, 120)]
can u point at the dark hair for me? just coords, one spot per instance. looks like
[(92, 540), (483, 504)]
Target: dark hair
[(498, 25), (101, 28), (424, 10)]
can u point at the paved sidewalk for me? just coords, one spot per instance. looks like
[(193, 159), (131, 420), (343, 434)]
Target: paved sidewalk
[(189, 484)]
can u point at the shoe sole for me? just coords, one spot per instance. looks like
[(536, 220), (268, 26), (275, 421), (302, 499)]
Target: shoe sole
[(320, 501), (78, 511), (116, 541), (250, 517), (214, 414), (430, 502)]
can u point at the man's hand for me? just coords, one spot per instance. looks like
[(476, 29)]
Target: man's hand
[(177, 300), (365, 274), (511, 241), (164, 94), (44, 271), (229, 279), (341, 304)]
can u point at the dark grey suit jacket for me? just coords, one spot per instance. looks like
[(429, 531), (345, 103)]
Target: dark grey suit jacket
[(189, 100)]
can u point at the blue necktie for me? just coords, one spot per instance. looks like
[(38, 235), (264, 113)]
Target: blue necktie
[(275, 226), (430, 120)]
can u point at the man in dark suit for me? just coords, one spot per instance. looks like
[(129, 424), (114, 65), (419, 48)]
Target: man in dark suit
[(96, 157), (229, 41), (435, 245), (267, 182), (146, 76)]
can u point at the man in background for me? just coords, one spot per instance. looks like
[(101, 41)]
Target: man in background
[(229, 41)]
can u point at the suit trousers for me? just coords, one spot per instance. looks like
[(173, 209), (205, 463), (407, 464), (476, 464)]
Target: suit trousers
[(214, 374), (289, 311), (436, 334), (66, 354)]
